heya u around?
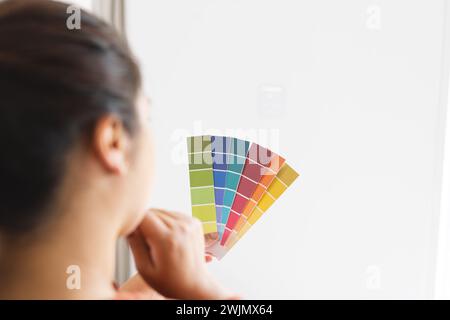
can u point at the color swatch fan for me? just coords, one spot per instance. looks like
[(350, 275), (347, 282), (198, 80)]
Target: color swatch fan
[(233, 183)]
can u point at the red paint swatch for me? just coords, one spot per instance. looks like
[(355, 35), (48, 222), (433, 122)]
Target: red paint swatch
[(257, 165)]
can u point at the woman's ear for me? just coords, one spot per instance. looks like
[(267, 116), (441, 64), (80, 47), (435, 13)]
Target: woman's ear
[(111, 144)]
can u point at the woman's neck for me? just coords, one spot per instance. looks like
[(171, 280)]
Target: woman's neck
[(74, 256), (72, 260)]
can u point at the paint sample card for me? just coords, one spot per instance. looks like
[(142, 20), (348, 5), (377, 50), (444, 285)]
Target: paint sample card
[(219, 149), (236, 155), (232, 183), (201, 179), (284, 178), (260, 163), (267, 178)]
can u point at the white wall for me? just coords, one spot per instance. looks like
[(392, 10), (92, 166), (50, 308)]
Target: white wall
[(359, 113), (85, 4), (443, 261)]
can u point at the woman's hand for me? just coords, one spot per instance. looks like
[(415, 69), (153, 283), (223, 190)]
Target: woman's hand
[(169, 251)]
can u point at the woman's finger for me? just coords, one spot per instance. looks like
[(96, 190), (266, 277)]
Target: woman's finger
[(170, 219), (161, 215), (153, 228), (175, 220), (211, 238), (141, 252), (174, 216)]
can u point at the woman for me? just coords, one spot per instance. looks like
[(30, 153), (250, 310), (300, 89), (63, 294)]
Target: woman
[(75, 167)]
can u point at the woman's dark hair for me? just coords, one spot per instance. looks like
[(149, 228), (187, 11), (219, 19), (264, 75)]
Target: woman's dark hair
[(55, 84)]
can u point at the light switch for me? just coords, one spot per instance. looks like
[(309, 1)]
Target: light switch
[(271, 101)]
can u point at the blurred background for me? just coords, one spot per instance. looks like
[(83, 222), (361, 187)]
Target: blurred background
[(353, 93)]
